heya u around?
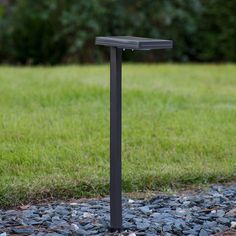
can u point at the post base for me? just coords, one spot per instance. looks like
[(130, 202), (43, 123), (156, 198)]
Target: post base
[(114, 230)]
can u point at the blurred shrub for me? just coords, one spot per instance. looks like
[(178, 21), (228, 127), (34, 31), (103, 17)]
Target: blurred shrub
[(50, 31), (216, 36), (60, 31)]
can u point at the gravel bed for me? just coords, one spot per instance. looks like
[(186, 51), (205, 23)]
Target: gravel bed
[(202, 213)]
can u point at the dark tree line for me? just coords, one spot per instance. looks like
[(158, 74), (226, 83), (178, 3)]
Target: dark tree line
[(63, 31)]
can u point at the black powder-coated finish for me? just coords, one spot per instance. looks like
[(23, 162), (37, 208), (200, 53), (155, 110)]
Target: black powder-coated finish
[(116, 44), (134, 43), (115, 138)]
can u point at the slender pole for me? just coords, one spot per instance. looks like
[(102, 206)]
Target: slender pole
[(115, 139)]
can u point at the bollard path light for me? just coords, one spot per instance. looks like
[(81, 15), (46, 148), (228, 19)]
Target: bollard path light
[(116, 44)]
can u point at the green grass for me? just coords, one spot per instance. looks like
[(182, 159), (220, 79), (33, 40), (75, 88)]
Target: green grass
[(179, 127)]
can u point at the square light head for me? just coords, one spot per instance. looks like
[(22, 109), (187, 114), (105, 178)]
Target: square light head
[(134, 43)]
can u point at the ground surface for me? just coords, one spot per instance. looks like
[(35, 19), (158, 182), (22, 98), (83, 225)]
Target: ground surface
[(178, 128), (200, 213)]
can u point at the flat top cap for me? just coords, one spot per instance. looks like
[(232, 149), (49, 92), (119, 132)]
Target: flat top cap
[(136, 43)]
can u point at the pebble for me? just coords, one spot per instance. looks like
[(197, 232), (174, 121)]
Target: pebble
[(232, 212), (23, 230), (131, 201), (203, 233), (203, 213), (220, 213), (145, 210), (132, 234), (233, 224)]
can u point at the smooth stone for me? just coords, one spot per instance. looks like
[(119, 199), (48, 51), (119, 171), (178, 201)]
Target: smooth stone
[(29, 213), (74, 213), (93, 232), (156, 215), (167, 228), (77, 230), (231, 213), (190, 232), (222, 227), (233, 225), (168, 234), (96, 207), (87, 215), (55, 218), (186, 203), (179, 224), (128, 216), (104, 223), (74, 227), (164, 210), (23, 230), (142, 226), (197, 227), (197, 200), (85, 209), (204, 217), (35, 222), (128, 225), (88, 226), (180, 211), (131, 201), (81, 232), (220, 213), (203, 233), (195, 208), (132, 234), (53, 234), (74, 204), (59, 208), (223, 220), (11, 213), (145, 209), (209, 224), (63, 232), (169, 220)]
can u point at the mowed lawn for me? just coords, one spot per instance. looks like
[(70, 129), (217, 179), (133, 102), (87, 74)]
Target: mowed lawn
[(179, 127)]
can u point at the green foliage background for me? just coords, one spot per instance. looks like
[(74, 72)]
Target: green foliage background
[(63, 31)]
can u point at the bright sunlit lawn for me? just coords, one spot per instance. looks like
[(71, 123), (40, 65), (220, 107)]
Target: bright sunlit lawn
[(179, 127)]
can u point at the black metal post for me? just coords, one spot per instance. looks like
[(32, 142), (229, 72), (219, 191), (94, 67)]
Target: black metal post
[(116, 44), (115, 139)]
